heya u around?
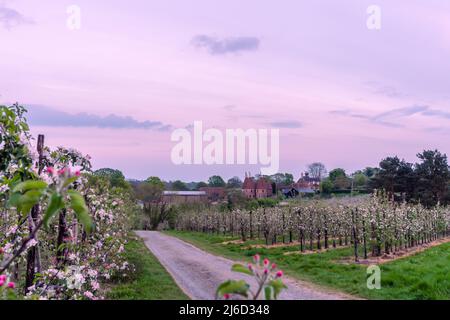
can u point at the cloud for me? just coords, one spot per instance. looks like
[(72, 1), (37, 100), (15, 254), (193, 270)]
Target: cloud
[(286, 124), (401, 112), (386, 118), (10, 18), (436, 113), (384, 90), (45, 116), (217, 46)]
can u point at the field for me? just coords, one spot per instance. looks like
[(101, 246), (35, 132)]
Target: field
[(420, 276)]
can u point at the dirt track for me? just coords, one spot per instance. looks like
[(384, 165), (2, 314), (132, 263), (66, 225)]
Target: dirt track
[(198, 273)]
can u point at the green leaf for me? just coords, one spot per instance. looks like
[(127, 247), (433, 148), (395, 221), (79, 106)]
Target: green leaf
[(24, 202), (70, 181), (239, 287), (78, 205), (30, 185), (277, 286), (55, 204), (240, 268), (14, 200), (268, 292)]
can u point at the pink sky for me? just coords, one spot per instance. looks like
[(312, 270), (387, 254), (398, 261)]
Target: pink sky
[(340, 93)]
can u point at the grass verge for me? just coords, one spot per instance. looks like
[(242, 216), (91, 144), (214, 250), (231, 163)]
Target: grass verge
[(424, 275), (149, 281)]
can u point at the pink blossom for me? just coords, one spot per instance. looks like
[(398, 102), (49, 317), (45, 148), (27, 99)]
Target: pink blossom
[(11, 285), (266, 262), (50, 170), (279, 274), (226, 296), (89, 295), (3, 278), (266, 271), (95, 285), (77, 173), (274, 266), (1, 250), (250, 267), (61, 171), (256, 258), (2, 283)]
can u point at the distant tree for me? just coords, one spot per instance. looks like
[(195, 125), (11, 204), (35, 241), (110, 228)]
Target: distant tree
[(288, 178), (114, 176), (342, 183), (201, 184), (216, 181), (317, 170), (191, 185), (360, 179), (335, 173), (234, 182), (235, 199), (179, 186), (155, 181), (282, 178), (339, 179), (326, 186), (433, 177), (370, 172), (395, 176), (149, 190)]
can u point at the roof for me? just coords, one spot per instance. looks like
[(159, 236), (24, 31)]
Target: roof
[(184, 193), (263, 184), (249, 183), (307, 178)]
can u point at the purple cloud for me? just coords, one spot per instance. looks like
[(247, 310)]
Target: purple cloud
[(286, 124), (49, 117), (10, 18), (217, 46)]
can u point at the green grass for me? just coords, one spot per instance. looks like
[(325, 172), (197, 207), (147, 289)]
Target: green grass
[(425, 275), (150, 281)]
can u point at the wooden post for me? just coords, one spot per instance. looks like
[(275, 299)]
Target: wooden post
[(33, 255)]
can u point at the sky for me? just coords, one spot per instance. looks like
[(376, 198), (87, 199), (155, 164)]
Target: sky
[(339, 92)]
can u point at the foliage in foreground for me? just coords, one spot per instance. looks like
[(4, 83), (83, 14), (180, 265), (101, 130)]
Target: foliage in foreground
[(61, 231), (267, 276)]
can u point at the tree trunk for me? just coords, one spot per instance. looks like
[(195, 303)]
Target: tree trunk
[(61, 255)]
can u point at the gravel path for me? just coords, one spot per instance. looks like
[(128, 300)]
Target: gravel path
[(198, 273)]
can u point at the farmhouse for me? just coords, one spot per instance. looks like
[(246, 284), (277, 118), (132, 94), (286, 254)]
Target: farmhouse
[(307, 184)]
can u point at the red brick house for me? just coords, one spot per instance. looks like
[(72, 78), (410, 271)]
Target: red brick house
[(257, 189), (249, 187), (306, 182)]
